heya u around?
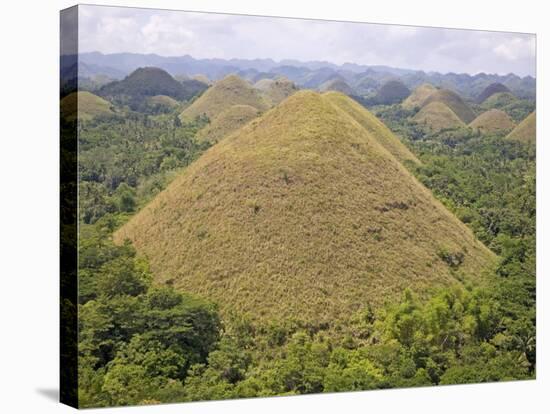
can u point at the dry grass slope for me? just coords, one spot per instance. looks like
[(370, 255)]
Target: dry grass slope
[(373, 125), (228, 121), (419, 96), (301, 214), (499, 100), (493, 121), (526, 131), (437, 116), (89, 106), (225, 93), (164, 100), (453, 101)]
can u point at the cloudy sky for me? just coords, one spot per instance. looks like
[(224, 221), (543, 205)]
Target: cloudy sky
[(202, 35)]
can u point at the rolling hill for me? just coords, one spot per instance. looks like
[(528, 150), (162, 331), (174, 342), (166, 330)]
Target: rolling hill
[(337, 85), (276, 90), (437, 116), (163, 101), (491, 90), (417, 98), (228, 121), (145, 82), (225, 93), (85, 105), (304, 215), (526, 130), (454, 102), (392, 92), (493, 121)]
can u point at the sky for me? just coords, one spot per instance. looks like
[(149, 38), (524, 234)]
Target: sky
[(204, 35)]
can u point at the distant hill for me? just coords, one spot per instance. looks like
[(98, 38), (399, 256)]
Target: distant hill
[(276, 90), (302, 215), (226, 122), (225, 93), (85, 106), (493, 121), (454, 102), (417, 98), (526, 131), (146, 82), (516, 108), (392, 92), (337, 85), (203, 79), (437, 116), (163, 101), (491, 90), (373, 125)]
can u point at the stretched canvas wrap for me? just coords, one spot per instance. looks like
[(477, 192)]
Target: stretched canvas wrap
[(264, 206)]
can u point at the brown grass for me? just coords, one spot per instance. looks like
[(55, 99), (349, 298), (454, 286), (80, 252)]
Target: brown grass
[(89, 106), (526, 131), (164, 100), (228, 121), (493, 121), (303, 214), (453, 101), (225, 93), (419, 96), (373, 125), (437, 116), (276, 90)]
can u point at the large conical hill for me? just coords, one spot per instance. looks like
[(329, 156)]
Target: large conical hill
[(526, 130), (84, 105), (493, 121), (225, 93), (302, 214), (436, 116), (454, 102), (417, 98)]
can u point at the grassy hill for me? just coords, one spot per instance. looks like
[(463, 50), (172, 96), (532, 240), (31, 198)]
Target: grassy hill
[(526, 131), (302, 214), (228, 121), (373, 125), (493, 121), (225, 93), (454, 102), (145, 82), (337, 85), (86, 103), (491, 90), (437, 116), (164, 101), (517, 109), (276, 90), (392, 92), (419, 96)]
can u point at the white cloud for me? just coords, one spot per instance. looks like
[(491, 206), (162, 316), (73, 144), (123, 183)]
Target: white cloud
[(206, 35)]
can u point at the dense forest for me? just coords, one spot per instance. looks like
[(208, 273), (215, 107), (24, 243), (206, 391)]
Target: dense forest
[(140, 343)]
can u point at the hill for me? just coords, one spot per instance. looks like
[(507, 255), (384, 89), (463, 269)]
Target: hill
[(491, 90), (499, 100), (302, 215), (526, 130), (437, 116), (419, 96), (164, 101), (276, 90), (145, 82), (228, 121), (392, 92), (373, 126), (454, 102), (225, 93), (84, 104), (493, 121), (337, 85)]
